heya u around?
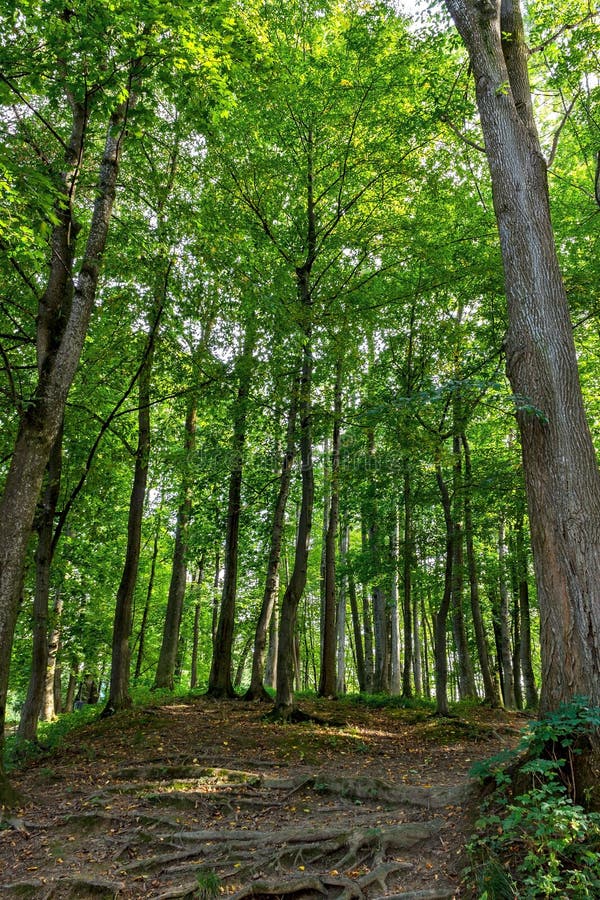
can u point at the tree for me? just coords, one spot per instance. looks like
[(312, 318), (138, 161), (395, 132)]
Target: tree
[(561, 471)]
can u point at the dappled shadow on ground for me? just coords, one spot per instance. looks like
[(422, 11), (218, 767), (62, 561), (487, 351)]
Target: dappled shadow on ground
[(199, 798)]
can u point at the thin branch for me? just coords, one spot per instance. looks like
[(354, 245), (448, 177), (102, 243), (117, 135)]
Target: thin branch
[(563, 122), (35, 112), (569, 26), (462, 136)]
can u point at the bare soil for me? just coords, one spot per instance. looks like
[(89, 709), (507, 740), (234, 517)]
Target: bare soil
[(198, 798)]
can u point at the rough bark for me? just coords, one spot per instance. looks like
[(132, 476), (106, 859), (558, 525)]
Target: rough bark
[(357, 632), (466, 677), (256, 690), (559, 462), (220, 680)]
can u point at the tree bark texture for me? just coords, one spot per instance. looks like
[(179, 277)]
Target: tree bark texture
[(441, 616), (560, 467)]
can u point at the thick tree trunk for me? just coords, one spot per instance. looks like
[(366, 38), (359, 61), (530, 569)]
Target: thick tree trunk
[(256, 690), (168, 651), (328, 678), (561, 471), (43, 560), (220, 680), (41, 422), (491, 694)]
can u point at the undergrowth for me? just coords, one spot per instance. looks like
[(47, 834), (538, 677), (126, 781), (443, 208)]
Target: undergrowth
[(541, 843)]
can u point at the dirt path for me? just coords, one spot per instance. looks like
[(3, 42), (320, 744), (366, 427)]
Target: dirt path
[(198, 798)]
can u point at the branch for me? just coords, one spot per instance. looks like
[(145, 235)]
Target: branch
[(462, 136), (569, 26), (35, 112), (557, 133)]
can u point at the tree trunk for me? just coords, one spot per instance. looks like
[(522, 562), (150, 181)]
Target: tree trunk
[(41, 422), (357, 631), (43, 561), (168, 651), (118, 695), (284, 700), (441, 617), (340, 621), (508, 682), (270, 679), (417, 657), (328, 679), (220, 679), (150, 588), (395, 665), (559, 462), (407, 612), (531, 694), (491, 694), (48, 708), (256, 690), (466, 677)]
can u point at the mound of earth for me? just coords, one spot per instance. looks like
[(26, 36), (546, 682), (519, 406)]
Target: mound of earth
[(198, 798)]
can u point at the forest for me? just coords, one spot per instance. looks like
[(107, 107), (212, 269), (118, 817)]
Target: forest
[(300, 352)]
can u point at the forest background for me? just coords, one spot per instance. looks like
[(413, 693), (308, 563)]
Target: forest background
[(278, 220)]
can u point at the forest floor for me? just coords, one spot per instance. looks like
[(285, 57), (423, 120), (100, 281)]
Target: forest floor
[(197, 798)]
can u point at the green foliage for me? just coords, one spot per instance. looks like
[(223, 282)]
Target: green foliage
[(209, 884), (540, 843)]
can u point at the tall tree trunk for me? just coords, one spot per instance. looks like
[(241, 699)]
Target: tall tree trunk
[(466, 677), (220, 680), (561, 472), (119, 696), (168, 651), (417, 657), (149, 589), (43, 560), (395, 648), (40, 424), (328, 679), (340, 620), (270, 679), (256, 690), (531, 694), (48, 708), (357, 631), (284, 700), (491, 694), (441, 617), (407, 612), (508, 683)]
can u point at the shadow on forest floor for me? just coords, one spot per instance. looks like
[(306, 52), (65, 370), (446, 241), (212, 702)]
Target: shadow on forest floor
[(198, 798)]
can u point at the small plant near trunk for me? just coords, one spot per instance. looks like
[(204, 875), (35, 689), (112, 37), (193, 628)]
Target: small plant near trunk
[(535, 839)]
